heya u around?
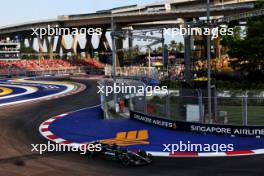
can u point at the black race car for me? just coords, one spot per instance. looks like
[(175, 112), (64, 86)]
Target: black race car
[(126, 157)]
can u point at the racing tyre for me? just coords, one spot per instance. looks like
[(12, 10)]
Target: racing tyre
[(93, 154), (125, 161), (149, 157)]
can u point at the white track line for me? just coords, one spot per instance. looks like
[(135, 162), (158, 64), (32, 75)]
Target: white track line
[(70, 89), (29, 90)]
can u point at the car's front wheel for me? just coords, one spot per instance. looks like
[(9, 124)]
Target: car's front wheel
[(149, 157)]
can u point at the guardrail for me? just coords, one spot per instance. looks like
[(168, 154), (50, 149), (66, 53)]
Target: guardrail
[(219, 129)]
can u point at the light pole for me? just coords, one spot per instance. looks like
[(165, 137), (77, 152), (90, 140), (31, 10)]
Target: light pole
[(114, 58), (209, 62), (149, 62)]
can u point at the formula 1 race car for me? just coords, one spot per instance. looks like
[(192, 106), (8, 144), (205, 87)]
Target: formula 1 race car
[(126, 157)]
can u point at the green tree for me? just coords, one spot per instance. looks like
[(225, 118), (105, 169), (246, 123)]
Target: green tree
[(27, 50), (180, 46), (135, 52), (229, 40), (249, 50), (157, 50), (173, 46)]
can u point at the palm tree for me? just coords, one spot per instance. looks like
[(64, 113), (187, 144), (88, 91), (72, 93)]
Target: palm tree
[(159, 49), (173, 46), (180, 46)]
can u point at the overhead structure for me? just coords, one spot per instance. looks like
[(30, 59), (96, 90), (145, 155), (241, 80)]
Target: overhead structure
[(153, 14)]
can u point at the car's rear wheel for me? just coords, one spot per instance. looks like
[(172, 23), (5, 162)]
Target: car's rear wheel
[(125, 161)]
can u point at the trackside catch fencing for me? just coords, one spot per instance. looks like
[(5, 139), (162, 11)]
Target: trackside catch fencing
[(109, 92), (228, 107), (133, 71)]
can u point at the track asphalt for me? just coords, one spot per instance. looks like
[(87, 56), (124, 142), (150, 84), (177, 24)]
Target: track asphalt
[(19, 129)]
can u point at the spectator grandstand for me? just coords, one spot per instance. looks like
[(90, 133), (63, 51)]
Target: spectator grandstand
[(91, 62), (18, 67)]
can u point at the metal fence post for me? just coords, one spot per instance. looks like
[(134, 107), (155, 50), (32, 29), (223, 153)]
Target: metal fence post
[(145, 100), (106, 116), (168, 104), (131, 107), (245, 109), (215, 104), (103, 100), (200, 99)]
